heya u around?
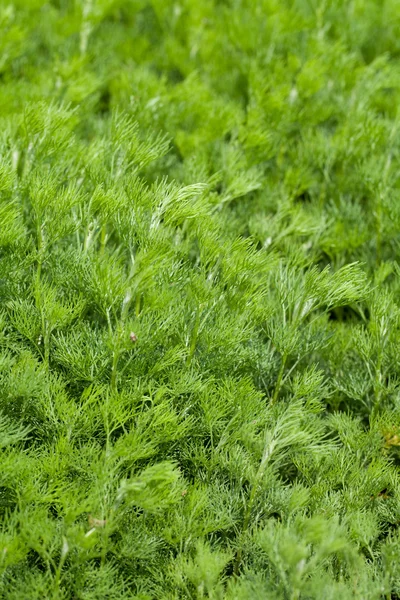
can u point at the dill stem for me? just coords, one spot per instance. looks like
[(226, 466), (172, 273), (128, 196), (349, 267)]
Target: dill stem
[(268, 449), (114, 369), (137, 304), (278, 384), (193, 341)]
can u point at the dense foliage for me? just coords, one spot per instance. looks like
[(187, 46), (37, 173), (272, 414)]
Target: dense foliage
[(199, 281)]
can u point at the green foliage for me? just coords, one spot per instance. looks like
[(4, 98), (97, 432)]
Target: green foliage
[(199, 280)]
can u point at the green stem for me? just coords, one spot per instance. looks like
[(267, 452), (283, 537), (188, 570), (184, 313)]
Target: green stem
[(114, 370), (246, 521), (193, 341), (57, 579), (104, 549), (40, 252), (377, 386), (46, 344), (268, 449), (137, 304), (106, 533), (278, 384), (103, 239), (379, 230), (38, 297)]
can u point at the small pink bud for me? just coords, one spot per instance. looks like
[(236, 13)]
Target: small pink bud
[(133, 337)]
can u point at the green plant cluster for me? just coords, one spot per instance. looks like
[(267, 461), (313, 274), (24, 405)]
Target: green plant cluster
[(199, 283)]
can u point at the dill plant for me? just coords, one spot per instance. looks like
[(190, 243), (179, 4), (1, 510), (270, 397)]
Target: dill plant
[(199, 380)]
